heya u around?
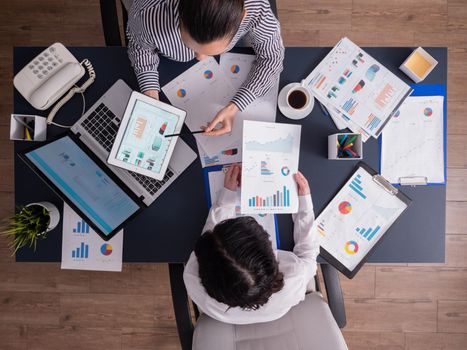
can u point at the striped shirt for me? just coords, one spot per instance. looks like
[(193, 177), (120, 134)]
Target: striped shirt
[(154, 29)]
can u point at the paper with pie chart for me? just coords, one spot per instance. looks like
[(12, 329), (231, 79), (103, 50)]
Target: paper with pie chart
[(412, 145), (84, 249), (270, 158), (202, 91), (357, 218)]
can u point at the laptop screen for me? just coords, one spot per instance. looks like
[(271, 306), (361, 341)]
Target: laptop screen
[(84, 183)]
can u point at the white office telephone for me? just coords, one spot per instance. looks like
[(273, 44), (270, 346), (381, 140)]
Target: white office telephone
[(50, 75)]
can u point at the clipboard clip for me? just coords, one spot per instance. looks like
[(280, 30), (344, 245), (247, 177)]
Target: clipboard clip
[(385, 184), (413, 180)]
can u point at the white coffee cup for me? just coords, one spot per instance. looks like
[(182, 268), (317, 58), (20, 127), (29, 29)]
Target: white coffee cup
[(299, 97)]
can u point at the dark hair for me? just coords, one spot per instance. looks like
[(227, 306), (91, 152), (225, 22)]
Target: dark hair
[(209, 20), (237, 265)]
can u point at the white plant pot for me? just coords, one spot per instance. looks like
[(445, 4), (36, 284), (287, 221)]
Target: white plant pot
[(53, 212)]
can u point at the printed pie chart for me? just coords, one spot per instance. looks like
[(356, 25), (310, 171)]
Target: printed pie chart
[(345, 208), (351, 247), (235, 68), (285, 171), (106, 249), (208, 74), (428, 112), (181, 92)]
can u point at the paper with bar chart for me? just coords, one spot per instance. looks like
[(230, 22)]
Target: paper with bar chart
[(84, 249), (364, 92), (357, 218), (216, 184), (270, 158), (412, 144)]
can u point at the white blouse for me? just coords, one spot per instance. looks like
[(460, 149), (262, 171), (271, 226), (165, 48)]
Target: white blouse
[(299, 268)]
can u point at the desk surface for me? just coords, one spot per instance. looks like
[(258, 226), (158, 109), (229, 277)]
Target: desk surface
[(178, 216)]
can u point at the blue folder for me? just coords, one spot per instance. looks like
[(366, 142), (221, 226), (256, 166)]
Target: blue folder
[(207, 191), (428, 90)]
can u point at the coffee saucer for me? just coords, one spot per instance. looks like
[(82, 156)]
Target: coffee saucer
[(290, 112)]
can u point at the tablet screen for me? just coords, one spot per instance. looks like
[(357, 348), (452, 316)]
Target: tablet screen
[(143, 143), (84, 183)]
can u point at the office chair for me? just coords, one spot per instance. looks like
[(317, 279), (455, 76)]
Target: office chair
[(312, 324), (111, 27)]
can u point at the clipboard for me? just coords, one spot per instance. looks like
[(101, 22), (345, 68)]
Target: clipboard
[(421, 179), (353, 207), (260, 218)]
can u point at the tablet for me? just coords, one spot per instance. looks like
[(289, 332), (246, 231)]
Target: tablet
[(140, 145), (357, 218)]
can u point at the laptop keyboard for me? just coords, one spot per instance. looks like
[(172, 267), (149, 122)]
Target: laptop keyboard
[(103, 125), (152, 185)]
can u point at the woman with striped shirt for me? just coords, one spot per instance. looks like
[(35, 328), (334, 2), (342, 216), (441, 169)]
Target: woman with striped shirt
[(186, 29)]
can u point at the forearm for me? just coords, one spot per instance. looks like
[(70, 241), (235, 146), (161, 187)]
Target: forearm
[(269, 50), (145, 62), (306, 241)]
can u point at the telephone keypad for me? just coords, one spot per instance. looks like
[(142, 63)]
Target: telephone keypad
[(45, 63)]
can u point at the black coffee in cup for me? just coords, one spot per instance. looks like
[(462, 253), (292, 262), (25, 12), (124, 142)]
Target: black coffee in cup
[(297, 99)]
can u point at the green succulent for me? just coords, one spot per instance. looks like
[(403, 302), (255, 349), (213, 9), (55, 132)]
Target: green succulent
[(26, 226)]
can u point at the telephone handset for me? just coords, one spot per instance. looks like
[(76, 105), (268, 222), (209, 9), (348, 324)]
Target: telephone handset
[(50, 75)]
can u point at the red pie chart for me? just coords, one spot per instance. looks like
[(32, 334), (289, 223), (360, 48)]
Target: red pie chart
[(345, 208)]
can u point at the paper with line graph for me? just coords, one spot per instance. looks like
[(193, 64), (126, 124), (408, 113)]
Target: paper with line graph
[(270, 158), (413, 141), (357, 218), (364, 92)]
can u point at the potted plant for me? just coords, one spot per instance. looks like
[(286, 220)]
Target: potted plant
[(30, 223)]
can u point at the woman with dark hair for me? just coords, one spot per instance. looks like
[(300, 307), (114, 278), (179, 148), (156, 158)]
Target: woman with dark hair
[(235, 276), (186, 29)]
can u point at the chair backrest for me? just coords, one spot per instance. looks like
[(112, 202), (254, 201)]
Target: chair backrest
[(111, 26), (308, 325)]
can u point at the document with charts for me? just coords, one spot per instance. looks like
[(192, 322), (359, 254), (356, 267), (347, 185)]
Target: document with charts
[(412, 144), (270, 158), (356, 218), (218, 88), (83, 249), (202, 91), (359, 87), (268, 221)]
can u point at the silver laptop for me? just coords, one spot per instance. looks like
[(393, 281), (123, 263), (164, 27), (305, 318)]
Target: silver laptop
[(97, 129)]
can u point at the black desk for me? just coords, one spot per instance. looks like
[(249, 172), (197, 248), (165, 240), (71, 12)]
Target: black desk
[(181, 211)]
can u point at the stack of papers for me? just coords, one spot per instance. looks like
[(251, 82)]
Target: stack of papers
[(206, 88), (356, 89)]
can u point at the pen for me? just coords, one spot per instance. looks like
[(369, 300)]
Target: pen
[(324, 109), (186, 133)]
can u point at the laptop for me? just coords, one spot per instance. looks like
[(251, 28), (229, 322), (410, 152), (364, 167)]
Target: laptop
[(74, 166), (97, 129)]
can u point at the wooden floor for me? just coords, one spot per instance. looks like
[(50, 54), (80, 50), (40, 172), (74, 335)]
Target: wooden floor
[(388, 307)]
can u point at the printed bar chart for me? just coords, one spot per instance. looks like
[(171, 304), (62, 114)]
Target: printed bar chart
[(356, 186), (368, 233), (279, 199), (82, 252), (81, 227), (350, 105)]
